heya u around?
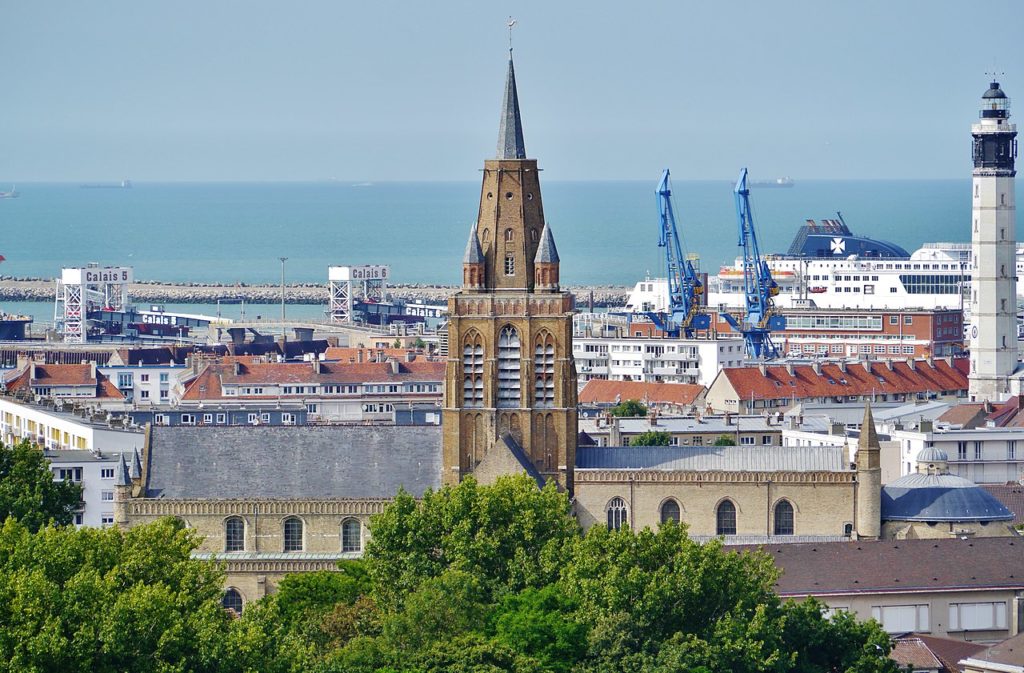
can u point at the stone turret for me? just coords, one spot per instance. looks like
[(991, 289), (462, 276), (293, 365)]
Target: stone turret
[(122, 491), (545, 264), (869, 480), (473, 263)]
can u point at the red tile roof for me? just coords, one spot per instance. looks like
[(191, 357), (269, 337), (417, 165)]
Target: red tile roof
[(777, 383), (209, 384), (613, 392), (967, 416), (63, 375), (1012, 497), (1008, 414), (913, 654), (346, 354)]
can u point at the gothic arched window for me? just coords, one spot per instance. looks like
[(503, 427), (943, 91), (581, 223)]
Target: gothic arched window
[(670, 511), (234, 534), (473, 371), (508, 368), (725, 518), (544, 371), (617, 513), (293, 534), (509, 235), (232, 600), (351, 535), (784, 518)]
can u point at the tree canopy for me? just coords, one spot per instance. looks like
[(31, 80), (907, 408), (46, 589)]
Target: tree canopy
[(629, 409), (725, 440), (651, 438), (28, 491)]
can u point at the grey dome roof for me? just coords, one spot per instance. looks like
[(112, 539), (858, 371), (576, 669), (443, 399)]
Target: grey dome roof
[(939, 497), (994, 91), (932, 454)]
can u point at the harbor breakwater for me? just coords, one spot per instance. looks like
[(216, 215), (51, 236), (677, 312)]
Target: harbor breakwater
[(157, 292)]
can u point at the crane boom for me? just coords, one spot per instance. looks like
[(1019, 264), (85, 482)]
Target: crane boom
[(683, 313), (759, 288)]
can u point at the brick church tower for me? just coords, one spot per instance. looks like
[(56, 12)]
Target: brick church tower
[(510, 384)]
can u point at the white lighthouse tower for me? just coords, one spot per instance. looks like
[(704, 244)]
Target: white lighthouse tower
[(993, 250)]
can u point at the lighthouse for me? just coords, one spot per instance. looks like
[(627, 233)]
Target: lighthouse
[(993, 334)]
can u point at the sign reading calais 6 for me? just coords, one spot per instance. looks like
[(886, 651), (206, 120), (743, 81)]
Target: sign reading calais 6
[(371, 272)]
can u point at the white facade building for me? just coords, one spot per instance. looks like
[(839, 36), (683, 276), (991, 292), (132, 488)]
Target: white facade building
[(982, 455), (94, 472), (61, 430), (148, 384)]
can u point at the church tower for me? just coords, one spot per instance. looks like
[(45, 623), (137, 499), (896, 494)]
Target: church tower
[(993, 250), (510, 383), (869, 480)]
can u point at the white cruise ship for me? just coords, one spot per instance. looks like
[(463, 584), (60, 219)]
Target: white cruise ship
[(829, 267)]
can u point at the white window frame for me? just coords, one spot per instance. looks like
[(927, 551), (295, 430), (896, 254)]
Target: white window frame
[(994, 612)]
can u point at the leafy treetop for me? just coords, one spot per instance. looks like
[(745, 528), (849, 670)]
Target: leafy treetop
[(28, 491)]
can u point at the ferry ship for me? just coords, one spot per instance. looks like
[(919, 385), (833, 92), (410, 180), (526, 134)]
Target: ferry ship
[(827, 266)]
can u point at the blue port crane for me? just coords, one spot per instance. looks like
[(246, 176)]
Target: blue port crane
[(759, 288), (683, 314)]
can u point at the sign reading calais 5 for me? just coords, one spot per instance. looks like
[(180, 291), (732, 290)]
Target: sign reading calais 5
[(95, 275)]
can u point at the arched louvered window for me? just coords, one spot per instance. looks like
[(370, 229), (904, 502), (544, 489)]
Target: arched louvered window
[(670, 511), (473, 371), (351, 535), (544, 372), (726, 518), (234, 534), (293, 534), (784, 518), (508, 368), (232, 600), (617, 514)]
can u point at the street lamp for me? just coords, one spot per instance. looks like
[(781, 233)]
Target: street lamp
[(284, 330)]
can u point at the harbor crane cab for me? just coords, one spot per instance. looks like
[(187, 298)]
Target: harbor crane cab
[(683, 314), (760, 318)]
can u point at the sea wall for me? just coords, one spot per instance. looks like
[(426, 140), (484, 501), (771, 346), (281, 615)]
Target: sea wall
[(155, 292)]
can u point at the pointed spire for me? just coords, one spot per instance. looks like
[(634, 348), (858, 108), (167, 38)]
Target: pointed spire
[(136, 467), (868, 437), (510, 132), (121, 476), (473, 255), (546, 251)]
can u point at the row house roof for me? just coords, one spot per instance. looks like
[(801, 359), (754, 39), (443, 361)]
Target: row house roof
[(34, 374), (861, 379), (598, 391), (209, 384)]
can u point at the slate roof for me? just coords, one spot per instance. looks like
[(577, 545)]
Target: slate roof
[(1012, 497), (897, 566), (547, 253), (473, 254), (713, 458), (510, 131), (939, 497), (598, 391), (804, 382), (292, 462), (1010, 652)]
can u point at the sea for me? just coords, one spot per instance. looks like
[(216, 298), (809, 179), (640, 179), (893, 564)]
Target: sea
[(606, 232)]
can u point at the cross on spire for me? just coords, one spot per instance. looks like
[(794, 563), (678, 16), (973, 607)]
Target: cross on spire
[(511, 24)]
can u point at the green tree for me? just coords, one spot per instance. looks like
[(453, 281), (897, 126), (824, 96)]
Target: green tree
[(299, 594), (509, 536), (541, 624), (28, 492), (629, 409), (651, 438), (725, 440), (88, 600)]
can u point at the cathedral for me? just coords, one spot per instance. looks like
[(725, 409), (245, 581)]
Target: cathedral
[(269, 501)]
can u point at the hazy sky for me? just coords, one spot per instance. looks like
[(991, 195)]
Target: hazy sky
[(385, 90)]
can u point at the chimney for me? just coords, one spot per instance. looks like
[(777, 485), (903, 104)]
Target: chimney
[(912, 364), (394, 366), (237, 367), (931, 361), (409, 356), (728, 418), (359, 355), (889, 364), (925, 426), (763, 368), (614, 436), (790, 369), (836, 429), (867, 366), (816, 366), (316, 365), (842, 366), (794, 422), (653, 418)]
